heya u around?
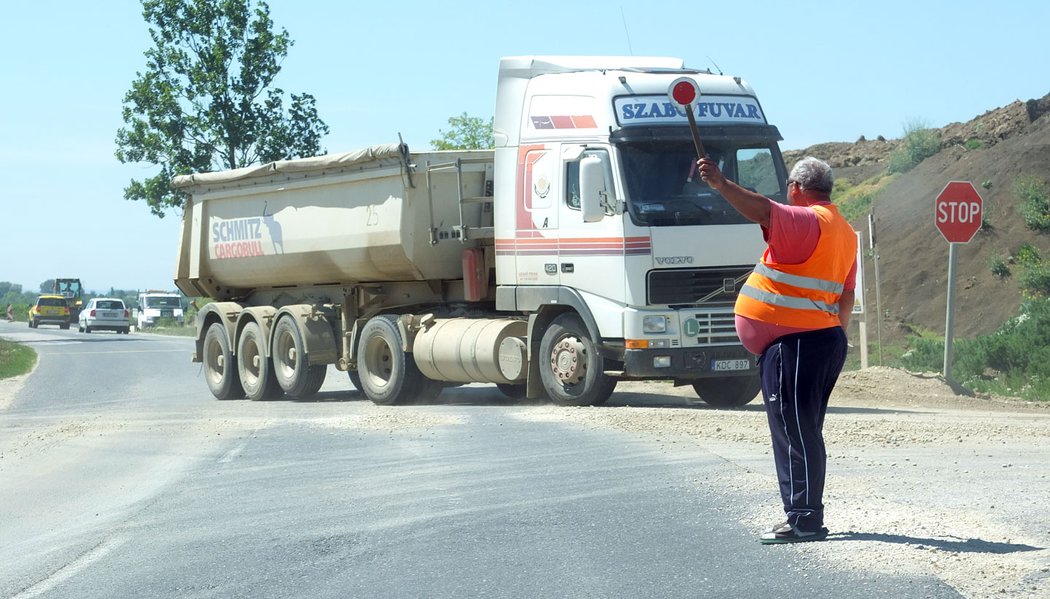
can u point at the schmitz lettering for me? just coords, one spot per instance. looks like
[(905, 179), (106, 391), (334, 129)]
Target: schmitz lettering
[(237, 238)]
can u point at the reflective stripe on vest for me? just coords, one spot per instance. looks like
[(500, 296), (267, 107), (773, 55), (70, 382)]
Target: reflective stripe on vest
[(798, 280), (804, 295), (786, 301)]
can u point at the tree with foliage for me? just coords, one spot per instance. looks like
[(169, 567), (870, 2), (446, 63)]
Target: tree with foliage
[(206, 100), (466, 133)]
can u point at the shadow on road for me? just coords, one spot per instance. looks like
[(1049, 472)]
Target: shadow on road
[(954, 544), (488, 395)]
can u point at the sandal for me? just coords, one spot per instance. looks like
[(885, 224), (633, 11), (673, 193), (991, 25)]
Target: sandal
[(786, 533)]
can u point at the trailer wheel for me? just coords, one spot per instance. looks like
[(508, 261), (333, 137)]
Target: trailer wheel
[(388, 375), (296, 376), (255, 369), (571, 368), (220, 365), (731, 392)]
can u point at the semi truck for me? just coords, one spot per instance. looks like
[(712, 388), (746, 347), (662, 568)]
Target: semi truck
[(154, 306), (580, 251)]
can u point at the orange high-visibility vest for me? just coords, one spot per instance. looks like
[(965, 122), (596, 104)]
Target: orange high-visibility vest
[(803, 295)]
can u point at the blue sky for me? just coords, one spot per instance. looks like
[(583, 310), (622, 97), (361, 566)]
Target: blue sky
[(824, 71)]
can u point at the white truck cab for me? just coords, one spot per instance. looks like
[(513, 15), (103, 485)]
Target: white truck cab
[(152, 306)]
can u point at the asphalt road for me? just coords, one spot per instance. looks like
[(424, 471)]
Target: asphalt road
[(120, 475)]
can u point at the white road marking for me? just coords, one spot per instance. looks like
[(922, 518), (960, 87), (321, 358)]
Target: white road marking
[(71, 569)]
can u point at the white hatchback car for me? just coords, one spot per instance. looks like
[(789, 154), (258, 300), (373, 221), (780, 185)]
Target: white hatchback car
[(105, 313)]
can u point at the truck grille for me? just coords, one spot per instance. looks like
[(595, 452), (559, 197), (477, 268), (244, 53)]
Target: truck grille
[(716, 328), (689, 286)]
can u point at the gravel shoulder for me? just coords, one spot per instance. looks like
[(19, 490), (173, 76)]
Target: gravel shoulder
[(920, 479)]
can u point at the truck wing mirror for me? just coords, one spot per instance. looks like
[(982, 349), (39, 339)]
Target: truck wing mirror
[(593, 189)]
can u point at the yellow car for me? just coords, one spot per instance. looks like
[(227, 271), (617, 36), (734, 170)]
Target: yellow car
[(49, 309)]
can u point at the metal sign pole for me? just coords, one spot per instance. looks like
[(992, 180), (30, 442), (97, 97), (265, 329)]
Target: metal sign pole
[(873, 246), (949, 319)]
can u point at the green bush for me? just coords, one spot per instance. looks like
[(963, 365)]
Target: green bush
[(926, 355), (1035, 279), (918, 144), (1015, 359), (1035, 272), (1027, 255), (999, 267), (1034, 204), (974, 144), (854, 201), (15, 359), (20, 311)]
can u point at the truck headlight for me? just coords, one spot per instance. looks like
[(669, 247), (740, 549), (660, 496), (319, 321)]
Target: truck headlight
[(654, 324)]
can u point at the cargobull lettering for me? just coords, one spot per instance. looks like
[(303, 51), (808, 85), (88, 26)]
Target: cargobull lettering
[(237, 238)]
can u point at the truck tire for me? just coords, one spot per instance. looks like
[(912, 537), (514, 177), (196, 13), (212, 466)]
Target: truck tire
[(571, 368), (255, 369), (220, 365), (294, 373), (730, 392), (355, 379), (513, 392), (388, 375)]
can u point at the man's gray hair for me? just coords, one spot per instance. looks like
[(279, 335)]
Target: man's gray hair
[(813, 174)]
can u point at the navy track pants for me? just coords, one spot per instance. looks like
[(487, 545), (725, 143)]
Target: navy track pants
[(798, 373)]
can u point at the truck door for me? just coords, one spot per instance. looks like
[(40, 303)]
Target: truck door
[(591, 254), (536, 218)]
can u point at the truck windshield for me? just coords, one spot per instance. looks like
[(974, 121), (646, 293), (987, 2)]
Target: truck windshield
[(664, 189)]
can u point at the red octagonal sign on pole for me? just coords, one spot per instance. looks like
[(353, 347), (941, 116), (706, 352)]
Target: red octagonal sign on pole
[(957, 211)]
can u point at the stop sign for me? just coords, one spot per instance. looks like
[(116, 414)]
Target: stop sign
[(957, 211)]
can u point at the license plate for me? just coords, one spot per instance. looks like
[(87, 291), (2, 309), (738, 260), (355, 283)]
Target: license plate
[(111, 314), (724, 365)]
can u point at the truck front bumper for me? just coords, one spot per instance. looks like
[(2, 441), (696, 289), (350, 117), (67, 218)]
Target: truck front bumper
[(689, 363)]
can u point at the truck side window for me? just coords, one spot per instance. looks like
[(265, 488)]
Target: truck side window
[(572, 184), (755, 171), (572, 177)]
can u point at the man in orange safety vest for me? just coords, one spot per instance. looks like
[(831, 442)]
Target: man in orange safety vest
[(793, 311)]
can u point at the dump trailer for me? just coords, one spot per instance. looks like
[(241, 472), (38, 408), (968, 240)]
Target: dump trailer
[(582, 250)]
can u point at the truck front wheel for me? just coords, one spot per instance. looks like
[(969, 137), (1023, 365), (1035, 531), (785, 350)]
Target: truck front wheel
[(220, 366), (732, 392), (571, 368), (255, 369), (294, 373), (387, 374)]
